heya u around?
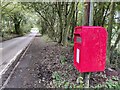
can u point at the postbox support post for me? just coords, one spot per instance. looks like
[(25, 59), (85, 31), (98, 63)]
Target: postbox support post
[(89, 22), (86, 78)]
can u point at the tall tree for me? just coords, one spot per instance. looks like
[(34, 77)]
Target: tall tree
[(68, 13), (110, 27), (74, 19), (59, 7)]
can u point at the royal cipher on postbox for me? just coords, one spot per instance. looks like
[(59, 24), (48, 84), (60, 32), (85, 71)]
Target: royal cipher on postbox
[(90, 44)]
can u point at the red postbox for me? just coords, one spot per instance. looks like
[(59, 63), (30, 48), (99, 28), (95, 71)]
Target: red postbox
[(90, 44)]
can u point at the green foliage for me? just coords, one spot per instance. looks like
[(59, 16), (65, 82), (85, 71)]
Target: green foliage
[(115, 78), (26, 28), (79, 82), (59, 81), (63, 59), (112, 83), (16, 18), (7, 36)]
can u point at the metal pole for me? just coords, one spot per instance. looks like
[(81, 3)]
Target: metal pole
[(91, 14), (89, 22)]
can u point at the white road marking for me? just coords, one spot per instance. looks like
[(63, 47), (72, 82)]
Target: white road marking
[(6, 67), (11, 61), (15, 67)]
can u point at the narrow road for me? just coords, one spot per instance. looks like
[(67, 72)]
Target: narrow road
[(35, 69), (25, 74), (11, 48)]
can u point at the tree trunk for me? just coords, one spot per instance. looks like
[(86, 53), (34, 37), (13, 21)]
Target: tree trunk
[(61, 31), (17, 28), (113, 47), (74, 20), (103, 19), (110, 26), (67, 23), (64, 40), (16, 24), (86, 11), (73, 25), (60, 21)]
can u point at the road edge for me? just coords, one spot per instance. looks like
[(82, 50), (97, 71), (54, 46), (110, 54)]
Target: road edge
[(11, 68)]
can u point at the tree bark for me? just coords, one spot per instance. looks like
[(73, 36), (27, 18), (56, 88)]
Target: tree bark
[(17, 25), (110, 26), (113, 47), (86, 11), (64, 41), (59, 11), (103, 19), (0, 20), (67, 22), (17, 28), (74, 19)]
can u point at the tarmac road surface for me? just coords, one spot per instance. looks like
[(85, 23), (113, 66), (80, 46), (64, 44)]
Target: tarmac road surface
[(11, 48)]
